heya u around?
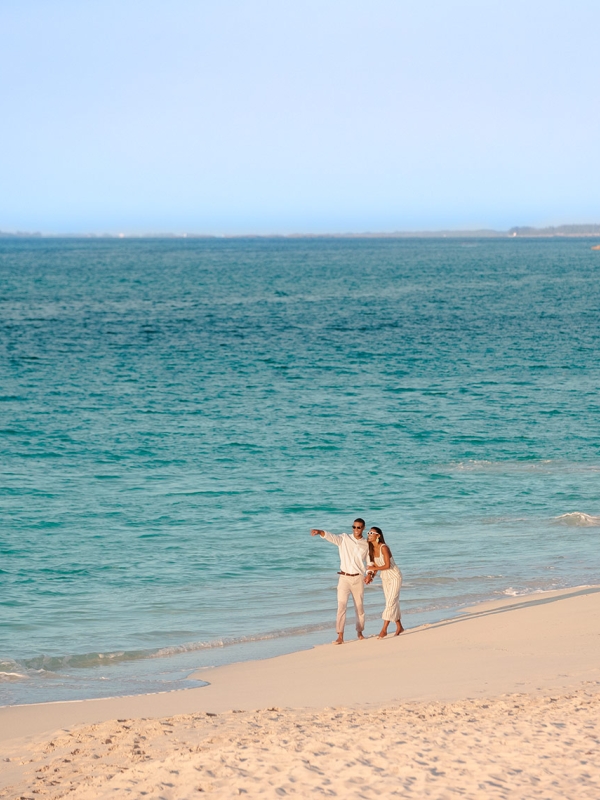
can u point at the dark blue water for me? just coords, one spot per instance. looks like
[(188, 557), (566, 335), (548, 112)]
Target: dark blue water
[(175, 415)]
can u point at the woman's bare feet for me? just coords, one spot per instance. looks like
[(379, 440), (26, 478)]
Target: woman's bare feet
[(399, 628), (383, 631)]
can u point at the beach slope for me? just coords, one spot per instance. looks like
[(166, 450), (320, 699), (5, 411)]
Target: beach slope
[(503, 698)]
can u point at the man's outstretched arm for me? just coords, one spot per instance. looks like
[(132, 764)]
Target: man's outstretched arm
[(334, 538)]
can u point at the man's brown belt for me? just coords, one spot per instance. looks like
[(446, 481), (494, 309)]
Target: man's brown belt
[(350, 574)]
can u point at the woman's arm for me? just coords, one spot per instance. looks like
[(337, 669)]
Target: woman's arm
[(385, 552)]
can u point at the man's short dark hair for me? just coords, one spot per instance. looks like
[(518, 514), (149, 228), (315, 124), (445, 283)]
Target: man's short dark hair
[(361, 520)]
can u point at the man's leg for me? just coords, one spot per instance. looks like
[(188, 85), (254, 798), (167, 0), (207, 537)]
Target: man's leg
[(343, 593), (358, 593)]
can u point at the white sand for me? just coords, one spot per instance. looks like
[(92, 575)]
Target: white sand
[(432, 713)]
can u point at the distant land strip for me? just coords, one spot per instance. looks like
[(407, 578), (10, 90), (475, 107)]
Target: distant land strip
[(523, 232)]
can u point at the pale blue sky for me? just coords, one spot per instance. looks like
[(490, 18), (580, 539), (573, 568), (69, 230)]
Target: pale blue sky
[(269, 116)]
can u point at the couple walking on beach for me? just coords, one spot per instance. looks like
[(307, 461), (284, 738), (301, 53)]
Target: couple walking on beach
[(355, 550)]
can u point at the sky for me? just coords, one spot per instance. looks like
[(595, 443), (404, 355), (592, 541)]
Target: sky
[(297, 116)]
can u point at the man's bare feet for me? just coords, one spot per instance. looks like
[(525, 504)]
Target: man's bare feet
[(340, 639), (360, 636)]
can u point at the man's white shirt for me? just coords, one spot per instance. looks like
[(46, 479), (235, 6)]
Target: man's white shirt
[(353, 552)]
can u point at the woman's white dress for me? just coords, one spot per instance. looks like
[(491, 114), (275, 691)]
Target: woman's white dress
[(392, 581)]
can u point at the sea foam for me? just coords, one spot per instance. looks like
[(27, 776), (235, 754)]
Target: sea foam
[(578, 519)]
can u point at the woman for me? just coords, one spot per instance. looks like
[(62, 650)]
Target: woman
[(380, 560)]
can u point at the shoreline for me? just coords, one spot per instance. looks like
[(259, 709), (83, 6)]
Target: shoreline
[(501, 700), (251, 684), (273, 644)]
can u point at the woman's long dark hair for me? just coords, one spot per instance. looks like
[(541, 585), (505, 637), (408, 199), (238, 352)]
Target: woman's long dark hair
[(379, 532)]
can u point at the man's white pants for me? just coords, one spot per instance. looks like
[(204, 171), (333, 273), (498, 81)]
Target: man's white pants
[(350, 586)]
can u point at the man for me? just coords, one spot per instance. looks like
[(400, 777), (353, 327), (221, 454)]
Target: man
[(354, 551)]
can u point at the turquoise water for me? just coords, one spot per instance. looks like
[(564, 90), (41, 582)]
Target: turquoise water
[(177, 414)]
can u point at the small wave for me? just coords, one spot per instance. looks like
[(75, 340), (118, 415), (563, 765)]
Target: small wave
[(192, 647), (474, 465), (53, 664), (512, 592), (6, 677), (578, 519), (545, 465)]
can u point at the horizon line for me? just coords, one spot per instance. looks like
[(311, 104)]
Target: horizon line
[(568, 230)]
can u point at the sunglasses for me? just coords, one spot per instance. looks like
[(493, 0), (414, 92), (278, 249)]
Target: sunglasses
[(358, 526)]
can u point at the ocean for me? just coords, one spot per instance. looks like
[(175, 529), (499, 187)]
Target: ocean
[(177, 414)]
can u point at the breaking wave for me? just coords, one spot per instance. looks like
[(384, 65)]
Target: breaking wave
[(512, 592), (578, 519), (9, 677), (52, 664)]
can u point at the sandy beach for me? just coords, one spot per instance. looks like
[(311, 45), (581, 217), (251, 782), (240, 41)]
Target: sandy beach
[(502, 701)]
